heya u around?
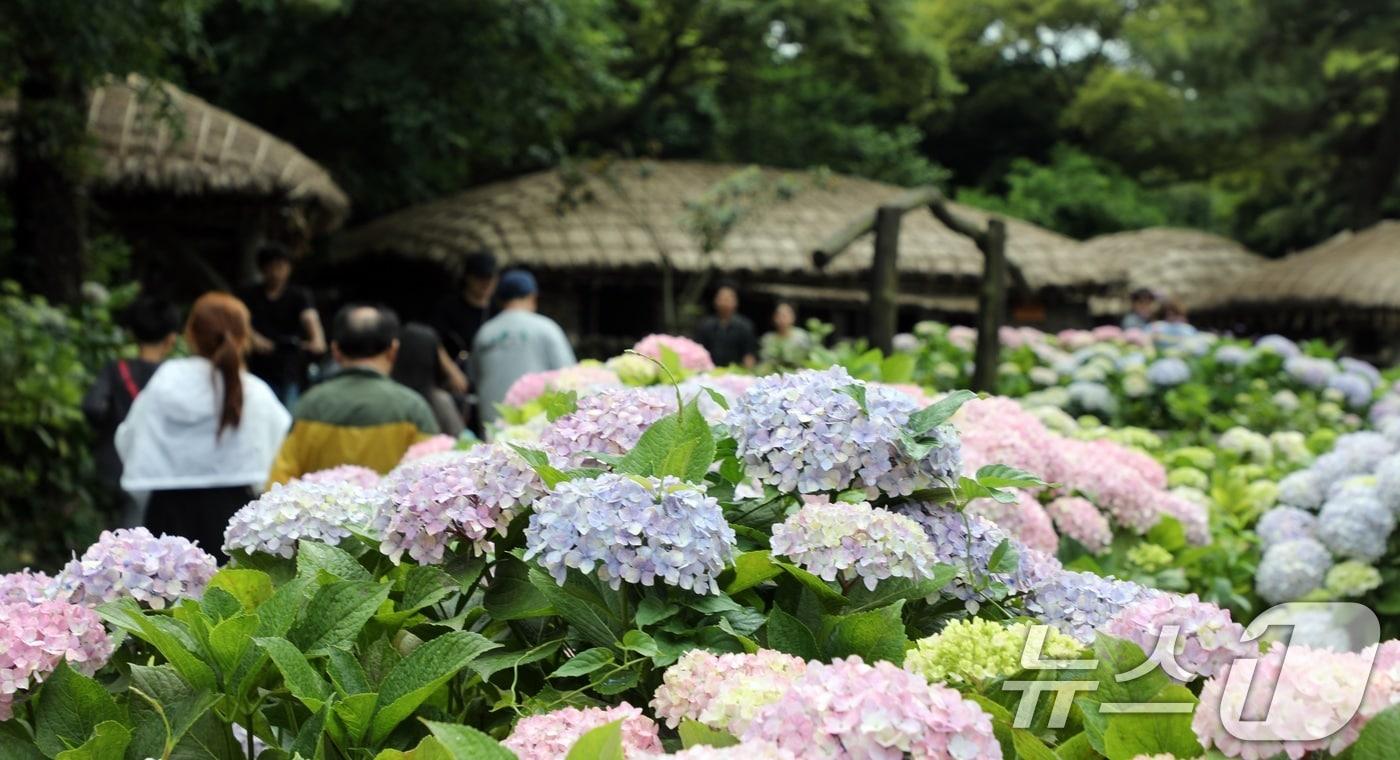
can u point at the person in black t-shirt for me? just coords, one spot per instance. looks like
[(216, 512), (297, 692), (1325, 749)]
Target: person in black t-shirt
[(285, 325), (728, 335), (459, 315), (154, 324)]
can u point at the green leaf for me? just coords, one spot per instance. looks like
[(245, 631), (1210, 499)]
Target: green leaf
[(717, 397), (250, 587), (109, 740), (608, 684), (897, 368), (751, 569), (128, 616), (178, 707), (1003, 476), (1168, 534), (421, 673), (1379, 738), (695, 734), (874, 635), (1114, 656), (15, 743), (539, 462), (1029, 747), (302, 680), (308, 739), (654, 609), (355, 712), (511, 596), (314, 556), (891, 590), (939, 412), (1130, 735), (857, 392), (425, 585), (829, 596), (589, 615), (602, 743), (280, 611), (679, 444), (336, 614), (69, 708), (489, 664), (218, 605), (467, 743), (229, 640), (347, 674), (557, 404), (1077, 747), (641, 643), (584, 663), (788, 634), (1004, 559)]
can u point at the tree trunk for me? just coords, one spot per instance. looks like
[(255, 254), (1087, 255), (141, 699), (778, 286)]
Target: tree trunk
[(991, 306), (1383, 162), (47, 197), (884, 279)]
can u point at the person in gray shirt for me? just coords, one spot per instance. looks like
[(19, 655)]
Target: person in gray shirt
[(515, 342)]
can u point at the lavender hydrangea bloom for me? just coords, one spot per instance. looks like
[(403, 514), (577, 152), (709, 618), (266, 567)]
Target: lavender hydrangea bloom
[(468, 496), (1388, 482), (1352, 454), (1310, 370), (132, 562), (608, 422), (1278, 344), (1206, 640), (27, 586), (1168, 372), (1285, 524), (1355, 527), (854, 541), (1291, 570), (632, 530), (1355, 389), (1079, 603), (327, 511), (1302, 489), (965, 542), (1362, 368), (1233, 356), (363, 477), (1092, 397), (806, 432)]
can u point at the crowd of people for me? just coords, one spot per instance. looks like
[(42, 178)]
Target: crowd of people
[(258, 394), (1150, 312)]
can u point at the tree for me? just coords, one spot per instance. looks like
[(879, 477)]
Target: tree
[(55, 51)]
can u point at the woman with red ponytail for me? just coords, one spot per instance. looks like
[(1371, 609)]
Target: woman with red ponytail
[(202, 435)]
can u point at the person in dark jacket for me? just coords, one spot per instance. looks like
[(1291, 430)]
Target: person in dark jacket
[(420, 366), (154, 324), (728, 335)]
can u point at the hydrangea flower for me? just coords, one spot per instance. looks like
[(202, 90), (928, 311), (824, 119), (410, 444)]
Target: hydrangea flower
[(132, 562), (1149, 557), (428, 446), (1025, 519), (550, 736), (976, 650), (1206, 639), (692, 355), (1247, 443), (634, 370), (353, 474), (1361, 368), (1315, 694), (1081, 520), (1355, 389), (464, 497), (609, 422), (847, 710), (729, 386), (1291, 446), (724, 691), (27, 586), (1079, 603), (1192, 513), (1277, 344), (1290, 570), (806, 432), (1352, 578), (1302, 489), (1168, 371), (327, 512), (1092, 396), (965, 542), (1115, 479), (1355, 527), (1232, 355), (854, 542), (1388, 482), (1189, 477), (638, 530), (583, 379), (34, 638), (1285, 524), (1310, 371)]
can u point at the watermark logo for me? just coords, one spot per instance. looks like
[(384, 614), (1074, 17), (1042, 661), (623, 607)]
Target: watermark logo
[(1247, 700)]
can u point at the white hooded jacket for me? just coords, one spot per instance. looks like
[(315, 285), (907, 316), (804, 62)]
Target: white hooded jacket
[(170, 438)]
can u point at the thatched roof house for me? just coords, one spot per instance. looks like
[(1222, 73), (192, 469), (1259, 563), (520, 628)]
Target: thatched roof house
[(1176, 263), (614, 222), (1347, 286)]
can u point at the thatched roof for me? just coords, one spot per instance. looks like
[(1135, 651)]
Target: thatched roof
[(630, 209), (1350, 276), (157, 138), (1177, 263)]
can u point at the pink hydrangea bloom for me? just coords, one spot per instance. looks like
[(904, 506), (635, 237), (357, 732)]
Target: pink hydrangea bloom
[(1025, 519), (1193, 516), (608, 422), (1081, 520), (354, 474), (133, 563), (429, 446), (997, 430), (962, 336), (693, 356), (27, 586), (855, 542), (1110, 476), (34, 638), (741, 751), (724, 691), (1317, 694), (528, 387), (1207, 640), (551, 735), (848, 710), (580, 378)]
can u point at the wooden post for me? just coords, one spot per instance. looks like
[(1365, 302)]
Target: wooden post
[(991, 305), (884, 282)]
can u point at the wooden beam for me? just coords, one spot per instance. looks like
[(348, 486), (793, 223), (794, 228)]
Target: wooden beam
[(884, 278), (842, 238), (991, 305), (938, 206)]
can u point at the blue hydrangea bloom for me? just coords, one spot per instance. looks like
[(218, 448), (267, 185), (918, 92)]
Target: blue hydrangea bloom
[(633, 530), (1388, 482), (1302, 489), (1291, 570), (1359, 367), (966, 542), (1355, 527), (1310, 370), (1232, 355), (1092, 397), (1279, 345), (1168, 372), (806, 432), (1285, 524), (1357, 390), (1079, 603)]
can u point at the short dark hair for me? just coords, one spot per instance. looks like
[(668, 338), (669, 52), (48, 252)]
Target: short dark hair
[(152, 320), (1143, 294), (364, 330), (270, 252), (480, 263), (722, 284)]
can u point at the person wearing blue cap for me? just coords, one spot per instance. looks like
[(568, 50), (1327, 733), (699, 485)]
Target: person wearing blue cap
[(515, 342)]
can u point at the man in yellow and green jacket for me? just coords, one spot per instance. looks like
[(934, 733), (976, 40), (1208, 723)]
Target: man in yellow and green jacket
[(360, 416)]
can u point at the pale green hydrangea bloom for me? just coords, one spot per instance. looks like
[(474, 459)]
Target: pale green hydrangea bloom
[(1352, 578), (976, 650), (1150, 557)]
